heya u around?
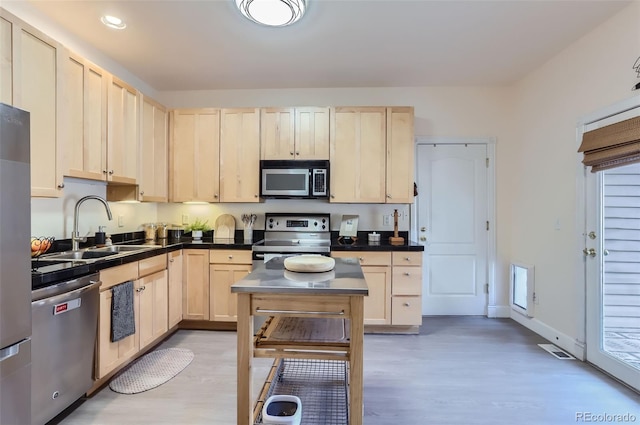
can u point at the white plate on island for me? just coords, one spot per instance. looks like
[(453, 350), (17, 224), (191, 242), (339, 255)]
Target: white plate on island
[(309, 263)]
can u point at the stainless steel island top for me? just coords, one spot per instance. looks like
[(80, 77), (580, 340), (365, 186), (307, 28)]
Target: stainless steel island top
[(272, 278)]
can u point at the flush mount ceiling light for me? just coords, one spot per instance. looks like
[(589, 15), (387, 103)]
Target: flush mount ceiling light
[(113, 22), (273, 13)]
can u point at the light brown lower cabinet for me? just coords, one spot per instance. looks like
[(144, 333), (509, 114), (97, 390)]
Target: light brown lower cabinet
[(227, 267), (150, 309), (376, 267), (195, 284), (174, 267), (406, 292)]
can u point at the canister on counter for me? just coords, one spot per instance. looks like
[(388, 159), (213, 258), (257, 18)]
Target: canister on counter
[(150, 231), (161, 231)]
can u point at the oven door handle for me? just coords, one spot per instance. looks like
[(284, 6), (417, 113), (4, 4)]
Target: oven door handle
[(259, 256)]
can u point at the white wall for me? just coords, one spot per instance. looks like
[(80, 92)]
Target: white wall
[(545, 174), (54, 216)]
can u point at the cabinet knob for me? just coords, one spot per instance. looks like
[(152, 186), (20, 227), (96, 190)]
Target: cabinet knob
[(406, 304), (230, 257), (333, 196), (406, 274), (171, 261), (388, 196), (110, 172), (215, 195), (255, 196), (297, 153), (142, 193), (104, 171), (291, 153), (61, 186), (407, 258), (361, 259)]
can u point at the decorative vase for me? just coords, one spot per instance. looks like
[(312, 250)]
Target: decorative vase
[(196, 235)]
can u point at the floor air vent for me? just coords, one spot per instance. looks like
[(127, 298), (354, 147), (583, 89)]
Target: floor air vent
[(556, 352)]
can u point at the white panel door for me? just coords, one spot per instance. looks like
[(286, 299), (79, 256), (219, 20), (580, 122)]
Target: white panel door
[(452, 224)]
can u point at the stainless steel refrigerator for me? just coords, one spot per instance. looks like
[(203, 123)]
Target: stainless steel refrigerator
[(15, 267)]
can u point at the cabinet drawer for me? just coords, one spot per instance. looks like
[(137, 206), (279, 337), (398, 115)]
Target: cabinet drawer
[(229, 256), (407, 281), (152, 265), (406, 311), (407, 258), (367, 258), (119, 274)]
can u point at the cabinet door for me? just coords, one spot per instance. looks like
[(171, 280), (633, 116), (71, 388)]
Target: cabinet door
[(153, 152), (36, 90), (400, 155), (194, 158), (195, 284), (122, 140), (84, 119), (377, 305), (113, 354), (312, 133), (153, 292), (6, 61), (277, 133), (175, 288), (240, 155), (224, 304), (357, 155)]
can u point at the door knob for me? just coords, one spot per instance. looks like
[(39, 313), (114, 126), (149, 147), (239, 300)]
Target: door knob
[(591, 252), (423, 239), (423, 229), (592, 235)]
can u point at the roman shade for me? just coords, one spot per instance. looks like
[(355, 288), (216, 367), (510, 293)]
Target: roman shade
[(612, 146)]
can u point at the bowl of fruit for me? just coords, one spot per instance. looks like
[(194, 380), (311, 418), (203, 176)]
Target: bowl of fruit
[(40, 245)]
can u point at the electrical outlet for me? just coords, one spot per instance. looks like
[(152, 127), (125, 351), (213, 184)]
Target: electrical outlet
[(185, 218), (120, 221), (386, 220)]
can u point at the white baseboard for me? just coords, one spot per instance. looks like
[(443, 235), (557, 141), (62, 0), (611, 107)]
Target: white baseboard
[(567, 343), (498, 311)]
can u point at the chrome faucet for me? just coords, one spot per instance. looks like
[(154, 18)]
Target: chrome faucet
[(75, 235)]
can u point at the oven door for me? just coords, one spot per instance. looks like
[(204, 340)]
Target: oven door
[(284, 182)]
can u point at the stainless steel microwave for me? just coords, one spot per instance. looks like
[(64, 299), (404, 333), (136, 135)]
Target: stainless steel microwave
[(294, 179)]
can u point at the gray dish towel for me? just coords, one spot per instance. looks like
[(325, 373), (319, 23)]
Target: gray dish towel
[(123, 321)]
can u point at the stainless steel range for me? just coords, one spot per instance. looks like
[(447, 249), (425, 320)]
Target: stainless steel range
[(289, 234)]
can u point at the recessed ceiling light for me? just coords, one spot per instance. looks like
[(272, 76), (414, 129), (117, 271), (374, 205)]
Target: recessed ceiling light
[(273, 13), (113, 22)]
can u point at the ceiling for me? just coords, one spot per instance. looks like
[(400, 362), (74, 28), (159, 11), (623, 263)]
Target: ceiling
[(200, 44)]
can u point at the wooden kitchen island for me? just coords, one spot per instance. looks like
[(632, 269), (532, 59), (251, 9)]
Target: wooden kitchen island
[(315, 318)]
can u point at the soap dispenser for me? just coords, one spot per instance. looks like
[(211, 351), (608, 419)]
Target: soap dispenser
[(100, 236)]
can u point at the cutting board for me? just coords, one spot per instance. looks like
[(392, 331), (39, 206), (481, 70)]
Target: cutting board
[(224, 229)]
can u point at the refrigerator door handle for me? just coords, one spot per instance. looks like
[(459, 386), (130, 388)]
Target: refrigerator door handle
[(7, 353)]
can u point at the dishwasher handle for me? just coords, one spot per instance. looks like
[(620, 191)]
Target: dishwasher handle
[(71, 294)]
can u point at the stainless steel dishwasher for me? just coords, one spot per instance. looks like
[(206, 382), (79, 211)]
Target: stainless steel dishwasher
[(65, 322)]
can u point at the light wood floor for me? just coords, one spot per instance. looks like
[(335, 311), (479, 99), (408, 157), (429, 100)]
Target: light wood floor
[(458, 371)]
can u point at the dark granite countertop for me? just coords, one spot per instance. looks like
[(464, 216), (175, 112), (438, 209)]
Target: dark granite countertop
[(46, 273)]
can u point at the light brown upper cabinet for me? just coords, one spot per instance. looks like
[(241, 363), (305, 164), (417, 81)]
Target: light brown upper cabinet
[(153, 152), (194, 155), (400, 155), (358, 154), (240, 155), (372, 155), (294, 133), (122, 133), (35, 62), (6, 61), (84, 118)]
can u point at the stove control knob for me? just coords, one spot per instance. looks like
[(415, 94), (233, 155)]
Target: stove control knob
[(270, 220), (315, 223), (271, 226), (323, 227), (324, 220)]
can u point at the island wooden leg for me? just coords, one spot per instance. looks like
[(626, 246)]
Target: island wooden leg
[(245, 356), (355, 361)]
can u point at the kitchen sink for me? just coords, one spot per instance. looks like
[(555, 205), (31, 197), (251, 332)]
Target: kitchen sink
[(94, 254)]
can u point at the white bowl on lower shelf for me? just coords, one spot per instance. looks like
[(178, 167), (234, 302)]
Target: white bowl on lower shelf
[(282, 410)]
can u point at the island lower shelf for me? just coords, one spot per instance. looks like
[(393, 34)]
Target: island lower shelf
[(321, 385)]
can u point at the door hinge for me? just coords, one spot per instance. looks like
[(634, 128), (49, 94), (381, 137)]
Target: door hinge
[(487, 162), (487, 224), (486, 288)]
